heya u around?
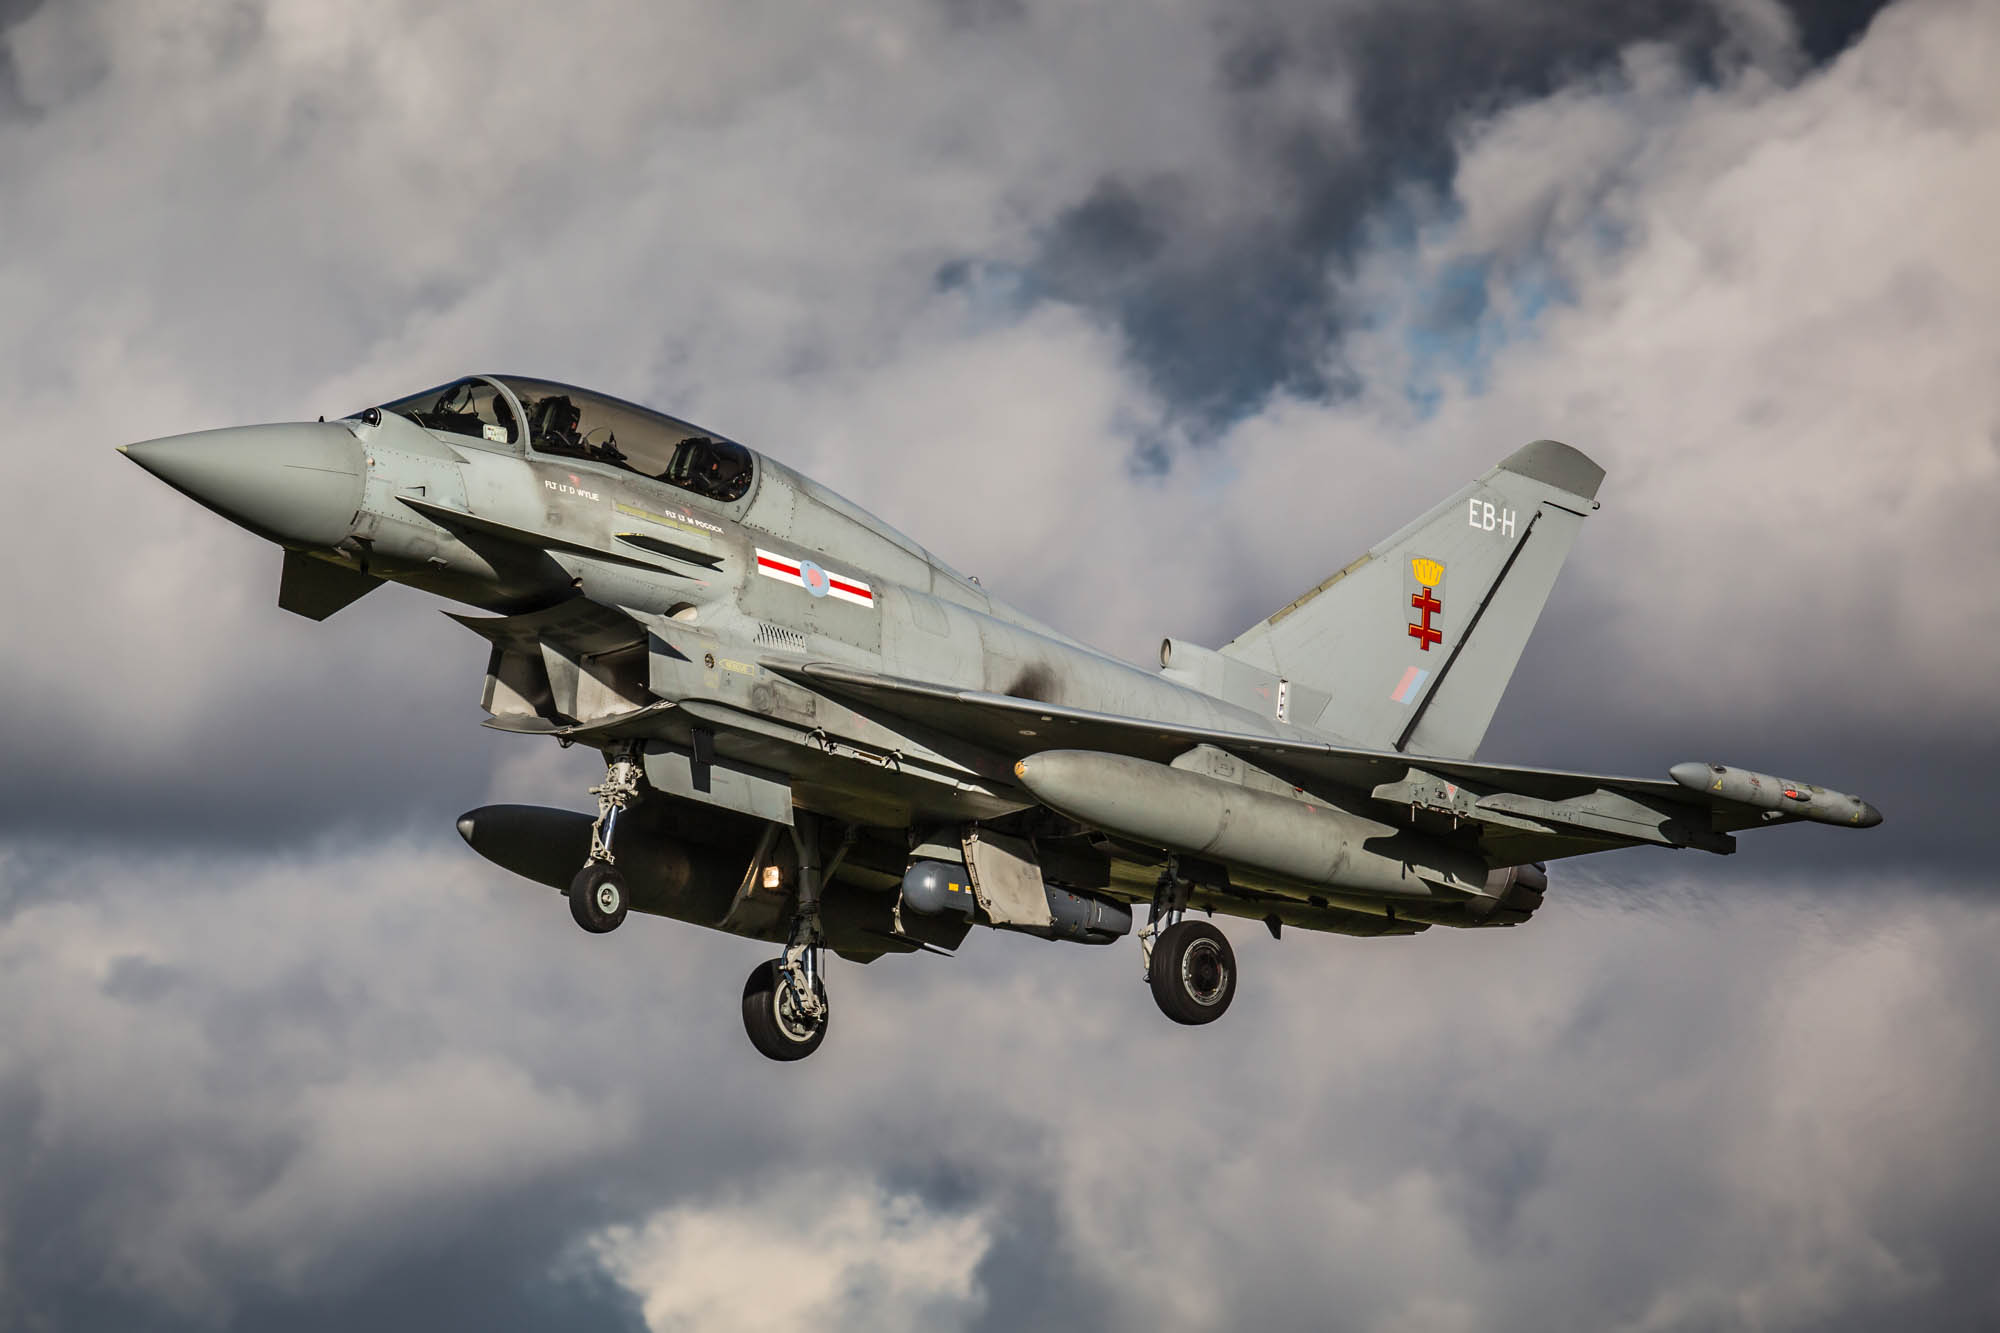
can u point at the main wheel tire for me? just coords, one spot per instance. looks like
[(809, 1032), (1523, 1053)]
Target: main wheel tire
[(771, 1015), (1193, 973), (597, 898)]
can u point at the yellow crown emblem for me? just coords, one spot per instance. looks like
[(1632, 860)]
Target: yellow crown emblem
[(1428, 572)]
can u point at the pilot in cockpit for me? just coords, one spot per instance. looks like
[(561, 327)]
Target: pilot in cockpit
[(552, 423), (709, 467), (557, 428)]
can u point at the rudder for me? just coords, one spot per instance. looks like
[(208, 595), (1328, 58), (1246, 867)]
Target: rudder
[(1415, 641)]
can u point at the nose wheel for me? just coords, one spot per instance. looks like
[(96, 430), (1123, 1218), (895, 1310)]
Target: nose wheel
[(597, 898)]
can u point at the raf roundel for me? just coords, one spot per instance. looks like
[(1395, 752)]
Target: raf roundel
[(814, 578)]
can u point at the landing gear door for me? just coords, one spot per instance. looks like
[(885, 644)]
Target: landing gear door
[(1006, 879), (697, 774)]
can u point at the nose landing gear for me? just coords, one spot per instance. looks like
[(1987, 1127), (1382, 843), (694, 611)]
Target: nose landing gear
[(597, 896)]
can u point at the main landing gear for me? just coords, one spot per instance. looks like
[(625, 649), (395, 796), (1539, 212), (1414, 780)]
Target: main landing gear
[(784, 1001), (1189, 964), (598, 897), (777, 1022)]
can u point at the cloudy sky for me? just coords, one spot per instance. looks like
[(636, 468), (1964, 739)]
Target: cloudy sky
[(1150, 313)]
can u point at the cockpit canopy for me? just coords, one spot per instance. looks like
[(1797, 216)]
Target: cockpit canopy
[(569, 422)]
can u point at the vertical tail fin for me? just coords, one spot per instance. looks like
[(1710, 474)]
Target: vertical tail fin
[(1414, 642)]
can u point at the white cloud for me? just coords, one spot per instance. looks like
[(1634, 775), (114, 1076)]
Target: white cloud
[(1775, 324), (836, 1253)]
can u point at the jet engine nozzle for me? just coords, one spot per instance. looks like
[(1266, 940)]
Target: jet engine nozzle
[(297, 484)]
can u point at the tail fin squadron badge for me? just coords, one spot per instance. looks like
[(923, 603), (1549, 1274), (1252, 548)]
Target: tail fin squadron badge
[(1429, 575)]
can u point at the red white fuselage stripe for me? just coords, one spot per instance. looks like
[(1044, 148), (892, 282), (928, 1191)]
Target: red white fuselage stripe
[(772, 565)]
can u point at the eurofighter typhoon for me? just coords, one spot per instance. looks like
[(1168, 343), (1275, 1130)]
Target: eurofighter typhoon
[(817, 734)]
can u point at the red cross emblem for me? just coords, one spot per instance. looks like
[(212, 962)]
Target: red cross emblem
[(1429, 606)]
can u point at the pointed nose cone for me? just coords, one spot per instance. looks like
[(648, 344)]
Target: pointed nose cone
[(298, 484)]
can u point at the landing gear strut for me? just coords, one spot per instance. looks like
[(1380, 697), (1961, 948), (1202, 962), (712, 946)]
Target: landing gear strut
[(784, 1001), (597, 896), (1189, 964)]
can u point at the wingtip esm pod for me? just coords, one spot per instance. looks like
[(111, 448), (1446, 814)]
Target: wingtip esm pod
[(1805, 800)]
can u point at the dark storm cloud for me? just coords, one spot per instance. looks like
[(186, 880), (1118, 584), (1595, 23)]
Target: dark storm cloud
[(343, 732), (12, 105), (1222, 317), (1828, 27), (1030, 1269), (483, 1284), (1930, 778)]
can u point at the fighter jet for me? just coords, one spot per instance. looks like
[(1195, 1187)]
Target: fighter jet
[(818, 734)]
